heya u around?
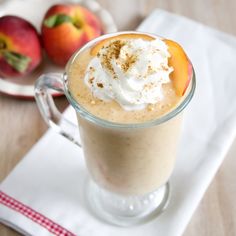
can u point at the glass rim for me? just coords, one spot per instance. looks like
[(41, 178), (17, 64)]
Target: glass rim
[(109, 124)]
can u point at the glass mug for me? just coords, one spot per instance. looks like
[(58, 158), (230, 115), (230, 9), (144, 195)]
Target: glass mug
[(129, 164)]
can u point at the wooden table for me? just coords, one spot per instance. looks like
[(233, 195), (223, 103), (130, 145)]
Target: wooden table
[(21, 124)]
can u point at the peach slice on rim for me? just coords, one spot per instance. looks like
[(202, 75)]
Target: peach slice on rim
[(183, 70), (182, 73)]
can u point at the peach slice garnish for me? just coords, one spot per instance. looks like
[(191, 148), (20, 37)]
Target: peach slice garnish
[(182, 73), (98, 46)]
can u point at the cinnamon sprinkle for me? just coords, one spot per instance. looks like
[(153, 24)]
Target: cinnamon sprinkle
[(113, 52), (100, 85), (91, 69), (130, 60), (91, 80)]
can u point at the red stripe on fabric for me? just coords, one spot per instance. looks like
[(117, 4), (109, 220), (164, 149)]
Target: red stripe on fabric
[(33, 215)]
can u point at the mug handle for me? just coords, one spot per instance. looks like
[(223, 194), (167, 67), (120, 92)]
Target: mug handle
[(51, 115)]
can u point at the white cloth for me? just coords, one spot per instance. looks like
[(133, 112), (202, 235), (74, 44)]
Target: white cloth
[(50, 177)]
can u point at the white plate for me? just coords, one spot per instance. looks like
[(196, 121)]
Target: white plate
[(33, 11)]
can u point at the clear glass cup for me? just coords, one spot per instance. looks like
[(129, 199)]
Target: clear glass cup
[(129, 164)]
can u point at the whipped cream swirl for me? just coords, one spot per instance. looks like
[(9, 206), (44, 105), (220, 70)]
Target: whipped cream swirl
[(129, 71)]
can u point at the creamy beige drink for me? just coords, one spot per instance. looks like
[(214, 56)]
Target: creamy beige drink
[(126, 80), (129, 90)]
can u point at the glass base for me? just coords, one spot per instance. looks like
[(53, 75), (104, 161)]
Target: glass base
[(127, 210)]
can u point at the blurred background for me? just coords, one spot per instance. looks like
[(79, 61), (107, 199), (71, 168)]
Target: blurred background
[(219, 14)]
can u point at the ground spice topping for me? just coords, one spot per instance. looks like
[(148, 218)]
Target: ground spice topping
[(111, 52)]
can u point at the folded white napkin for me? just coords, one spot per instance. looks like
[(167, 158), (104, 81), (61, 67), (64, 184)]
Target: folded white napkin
[(43, 195)]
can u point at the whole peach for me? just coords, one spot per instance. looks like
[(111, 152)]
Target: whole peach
[(66, 28), (20, 48)]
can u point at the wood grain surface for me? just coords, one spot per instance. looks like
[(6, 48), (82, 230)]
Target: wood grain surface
[(21, 124)]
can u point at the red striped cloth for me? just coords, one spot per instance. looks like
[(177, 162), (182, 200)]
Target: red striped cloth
[(33, 215)]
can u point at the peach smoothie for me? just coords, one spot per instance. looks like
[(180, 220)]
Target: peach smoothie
[(130, 81)]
